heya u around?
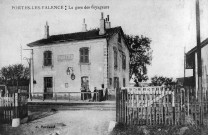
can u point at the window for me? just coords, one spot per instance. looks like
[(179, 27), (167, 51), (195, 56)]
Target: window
[(110, 81), (123, 61), (48, 82), (47, 58), (115, 58), (116, 82), (84, 55), (124, 82), (66, 85), (119, 38)]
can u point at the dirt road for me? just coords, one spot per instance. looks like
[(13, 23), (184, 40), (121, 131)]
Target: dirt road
[(79, 122)]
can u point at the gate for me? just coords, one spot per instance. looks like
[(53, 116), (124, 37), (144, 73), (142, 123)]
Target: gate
[(157, 106), (13, 106)]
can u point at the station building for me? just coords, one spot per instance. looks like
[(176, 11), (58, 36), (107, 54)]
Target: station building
[(67, 62)]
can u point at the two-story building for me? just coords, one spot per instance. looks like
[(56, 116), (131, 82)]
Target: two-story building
[(67, 62), (191, 63)]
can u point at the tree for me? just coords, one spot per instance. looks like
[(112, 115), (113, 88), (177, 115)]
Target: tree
[(5, 75), (14, 74), (160, 80), (140, 56)]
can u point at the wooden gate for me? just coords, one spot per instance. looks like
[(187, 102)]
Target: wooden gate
[(156, 106), (13, 106)]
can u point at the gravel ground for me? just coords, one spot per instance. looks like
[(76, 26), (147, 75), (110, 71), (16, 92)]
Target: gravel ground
[(79, 122)]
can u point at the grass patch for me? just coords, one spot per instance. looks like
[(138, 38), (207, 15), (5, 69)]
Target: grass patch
[(122, 129)]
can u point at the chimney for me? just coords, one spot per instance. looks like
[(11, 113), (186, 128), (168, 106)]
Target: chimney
[(84, 26), (107, 23), (102, 25), (46, 30)]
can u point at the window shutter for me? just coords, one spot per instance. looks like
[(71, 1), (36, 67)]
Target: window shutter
[(115, 58), (84, 55), (52, 59), (47, 58), (44, 58), (81, 54)]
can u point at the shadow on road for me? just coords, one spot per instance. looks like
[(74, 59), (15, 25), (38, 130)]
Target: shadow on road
[(38, 115)]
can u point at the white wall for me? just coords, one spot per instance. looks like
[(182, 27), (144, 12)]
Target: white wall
[(121, 73), (94, 70)]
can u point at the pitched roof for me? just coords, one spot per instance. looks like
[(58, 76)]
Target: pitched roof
[(204, 43), (190, 55), (94, 34)]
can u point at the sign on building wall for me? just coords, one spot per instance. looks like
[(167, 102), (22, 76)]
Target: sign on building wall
[(66, 57)]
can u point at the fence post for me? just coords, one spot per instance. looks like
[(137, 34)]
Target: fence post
[(117, 105), (55, 96), (188, 90), (173, 106), (16, 96)]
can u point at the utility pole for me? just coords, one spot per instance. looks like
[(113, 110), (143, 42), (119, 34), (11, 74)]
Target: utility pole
[(200, 99), (184, 67), (21, 53), (31, 67)]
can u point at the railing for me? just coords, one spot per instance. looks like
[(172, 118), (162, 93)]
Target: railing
[(70, 96)]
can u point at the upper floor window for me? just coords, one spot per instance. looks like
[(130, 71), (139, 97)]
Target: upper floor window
[(47, 58), (123, 61), (84, 55), (110, 81), (119, 37), (124, 82), (115, 58)]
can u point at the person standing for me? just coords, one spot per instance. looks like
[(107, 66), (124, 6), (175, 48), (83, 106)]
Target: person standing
[(82, 94), (1, 93), (89, 93), (94, 94), (106, 94)]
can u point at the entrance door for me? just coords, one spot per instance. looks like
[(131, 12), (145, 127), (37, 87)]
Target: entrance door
[(85, 82), (48, 87)]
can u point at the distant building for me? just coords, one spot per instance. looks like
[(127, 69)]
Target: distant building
[(88, 59), (188, 81), (191, 63)]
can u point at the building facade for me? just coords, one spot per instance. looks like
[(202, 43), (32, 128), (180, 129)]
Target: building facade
[(191, 63), (68, 62)]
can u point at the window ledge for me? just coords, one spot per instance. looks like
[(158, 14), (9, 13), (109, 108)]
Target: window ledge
[(82, 63), (51, 66)]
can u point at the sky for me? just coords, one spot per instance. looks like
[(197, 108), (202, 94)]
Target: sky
[(170, 24)]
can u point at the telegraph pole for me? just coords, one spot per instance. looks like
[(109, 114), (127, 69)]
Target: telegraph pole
[(184, 67), (21, 53), (200, 99), (31, 67)]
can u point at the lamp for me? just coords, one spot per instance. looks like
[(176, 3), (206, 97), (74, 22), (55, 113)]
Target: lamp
[(68, 72), (72, 76)]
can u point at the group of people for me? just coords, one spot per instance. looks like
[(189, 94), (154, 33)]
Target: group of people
[(98, 95), (86, 93)]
